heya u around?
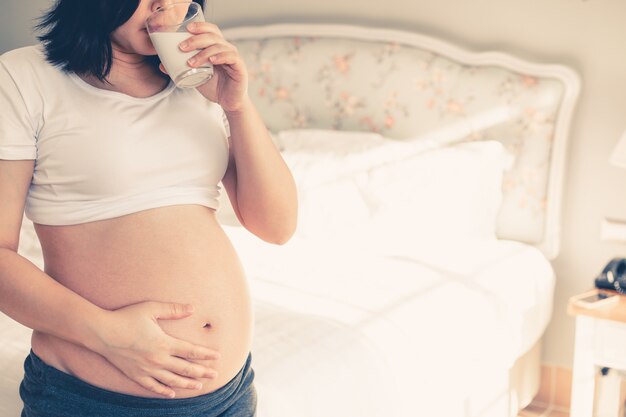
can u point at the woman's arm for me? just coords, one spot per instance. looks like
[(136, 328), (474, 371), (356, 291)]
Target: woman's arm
[(129, 337), (258, 182), (27, 294), (34, 299)]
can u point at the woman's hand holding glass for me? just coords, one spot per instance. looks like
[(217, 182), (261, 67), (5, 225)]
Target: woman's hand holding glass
[(229, 85), (132, 340)]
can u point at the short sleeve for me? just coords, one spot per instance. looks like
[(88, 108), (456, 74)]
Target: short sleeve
[(17, 135)]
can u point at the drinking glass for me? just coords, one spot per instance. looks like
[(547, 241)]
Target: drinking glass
[(167, 28)]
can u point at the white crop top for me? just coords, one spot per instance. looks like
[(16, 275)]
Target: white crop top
[(102, 154)]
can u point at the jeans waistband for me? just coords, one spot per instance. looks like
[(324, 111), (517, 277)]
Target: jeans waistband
[(60, 381)]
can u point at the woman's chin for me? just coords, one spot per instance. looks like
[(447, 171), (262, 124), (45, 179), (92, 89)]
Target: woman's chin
[(147, 47), (147, 50)]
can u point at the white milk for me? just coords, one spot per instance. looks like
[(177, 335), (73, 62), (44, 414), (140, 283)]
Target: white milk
[(174, 60)]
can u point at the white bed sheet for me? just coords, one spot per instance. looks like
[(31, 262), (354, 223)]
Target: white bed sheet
[(351, 329), (346, 329)]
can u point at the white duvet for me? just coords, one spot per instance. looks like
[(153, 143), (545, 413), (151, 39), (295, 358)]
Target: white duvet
[(344, 329)]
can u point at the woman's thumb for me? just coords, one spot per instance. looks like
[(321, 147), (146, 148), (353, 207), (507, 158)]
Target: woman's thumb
[(167, 311)]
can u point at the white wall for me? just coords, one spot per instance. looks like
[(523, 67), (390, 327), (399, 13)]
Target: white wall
[(588, 35)]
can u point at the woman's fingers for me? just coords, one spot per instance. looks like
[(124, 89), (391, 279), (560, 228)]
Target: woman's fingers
[(209, 40), (188, 350), (228, 58), (155, 386), (201, 41), (169, 311), (186, 368), (204, 55), (173, 380), (204, 27)]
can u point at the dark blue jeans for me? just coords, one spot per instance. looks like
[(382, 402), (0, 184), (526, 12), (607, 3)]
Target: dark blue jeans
[(49, 392)]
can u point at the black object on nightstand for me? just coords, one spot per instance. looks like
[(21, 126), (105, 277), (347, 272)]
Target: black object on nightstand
[(613, 276)]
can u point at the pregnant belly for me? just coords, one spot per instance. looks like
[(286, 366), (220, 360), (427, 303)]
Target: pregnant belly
[(176, 254)]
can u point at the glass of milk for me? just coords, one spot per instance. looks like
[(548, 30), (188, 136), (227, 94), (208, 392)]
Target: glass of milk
[(167, 28)]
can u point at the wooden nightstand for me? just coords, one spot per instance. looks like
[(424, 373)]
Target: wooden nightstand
[(600, 342)]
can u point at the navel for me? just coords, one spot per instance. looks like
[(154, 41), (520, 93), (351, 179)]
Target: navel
[(207, 326)]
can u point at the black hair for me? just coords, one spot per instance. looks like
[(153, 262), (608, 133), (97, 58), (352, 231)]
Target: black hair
[(76, 33)]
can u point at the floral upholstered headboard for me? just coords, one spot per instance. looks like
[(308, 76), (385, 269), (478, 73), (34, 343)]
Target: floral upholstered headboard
[(405, 85)]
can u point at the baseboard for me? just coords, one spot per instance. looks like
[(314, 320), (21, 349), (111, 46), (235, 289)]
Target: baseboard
[(555, 390), (555, 387)]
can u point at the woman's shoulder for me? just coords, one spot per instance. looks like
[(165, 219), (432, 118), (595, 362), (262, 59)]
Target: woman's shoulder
[(25, 73), (21, 58), (29, 70), (29, 64)]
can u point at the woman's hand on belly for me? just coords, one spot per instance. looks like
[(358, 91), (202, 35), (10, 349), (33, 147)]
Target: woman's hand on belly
[(133, 341)]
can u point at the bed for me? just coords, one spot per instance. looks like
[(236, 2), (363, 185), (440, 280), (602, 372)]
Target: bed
[(419, 280)]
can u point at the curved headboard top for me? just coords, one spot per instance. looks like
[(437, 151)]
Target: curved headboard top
[(405, 85)]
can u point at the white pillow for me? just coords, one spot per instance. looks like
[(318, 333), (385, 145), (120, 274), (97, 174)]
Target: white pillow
[(451, 191), (363, 184), (319, 156), (329, 168)]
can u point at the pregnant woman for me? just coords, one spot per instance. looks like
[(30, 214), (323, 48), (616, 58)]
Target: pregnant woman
[(118, 170)]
